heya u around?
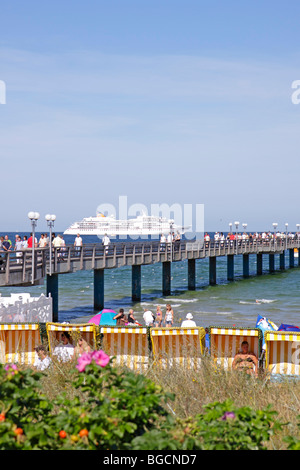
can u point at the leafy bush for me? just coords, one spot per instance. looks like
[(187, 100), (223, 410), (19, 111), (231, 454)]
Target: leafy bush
[(293, 441), (221, 427), (118, 410)]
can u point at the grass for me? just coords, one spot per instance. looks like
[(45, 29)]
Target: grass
[(194, 389)]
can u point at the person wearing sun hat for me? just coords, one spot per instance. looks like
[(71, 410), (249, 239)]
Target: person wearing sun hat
[(189, 322)]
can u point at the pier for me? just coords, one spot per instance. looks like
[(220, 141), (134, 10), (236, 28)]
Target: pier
[(32, 267)]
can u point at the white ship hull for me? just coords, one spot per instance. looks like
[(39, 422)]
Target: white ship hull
[(142, 226)]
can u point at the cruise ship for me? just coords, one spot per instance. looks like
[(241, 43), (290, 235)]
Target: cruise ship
[(141, 226)]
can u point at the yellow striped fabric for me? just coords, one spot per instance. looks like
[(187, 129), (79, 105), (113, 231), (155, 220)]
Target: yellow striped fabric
[(129, 346), (178, 346), (17, 343), (86, 330), (225, 343), (283, 352)]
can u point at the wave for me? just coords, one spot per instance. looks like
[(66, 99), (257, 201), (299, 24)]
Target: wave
[(257, 302)]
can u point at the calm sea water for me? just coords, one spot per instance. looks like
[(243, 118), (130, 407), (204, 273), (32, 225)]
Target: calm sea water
[(237, 303)]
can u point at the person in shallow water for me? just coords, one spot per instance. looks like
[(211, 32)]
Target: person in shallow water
[(246, 360)]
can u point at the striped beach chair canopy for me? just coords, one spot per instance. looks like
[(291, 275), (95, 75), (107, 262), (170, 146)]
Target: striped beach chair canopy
[(225, 343), (18, 342), (282, 352), (178, 346), (87, 331), (129, 346)]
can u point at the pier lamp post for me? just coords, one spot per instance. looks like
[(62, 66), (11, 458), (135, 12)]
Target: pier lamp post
[(33, 216), (50, 222), (230, 227), (286, 237), (236, 234), (275, 225), (245, 241)]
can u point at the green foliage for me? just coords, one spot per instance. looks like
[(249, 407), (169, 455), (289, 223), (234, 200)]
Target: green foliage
[(119, 410), (293, 441), (22, 406), (221, 427)]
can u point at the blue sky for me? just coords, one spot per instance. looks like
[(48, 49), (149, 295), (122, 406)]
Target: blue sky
[(169, 102)]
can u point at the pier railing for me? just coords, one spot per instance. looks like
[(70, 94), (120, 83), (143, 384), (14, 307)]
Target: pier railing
[(16, 266)]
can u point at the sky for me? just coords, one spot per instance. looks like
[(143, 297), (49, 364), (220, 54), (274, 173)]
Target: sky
[(164, 102)]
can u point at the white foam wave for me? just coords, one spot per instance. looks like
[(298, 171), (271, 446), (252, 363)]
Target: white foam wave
[(183, 301), (257, 302), (265, 301)]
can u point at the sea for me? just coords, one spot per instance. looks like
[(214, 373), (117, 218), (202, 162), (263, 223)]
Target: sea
[(235, 303)]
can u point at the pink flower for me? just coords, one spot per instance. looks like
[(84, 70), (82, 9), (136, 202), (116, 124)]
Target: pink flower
[(228, 415), (99, 357), (12, 368), (83, 361)]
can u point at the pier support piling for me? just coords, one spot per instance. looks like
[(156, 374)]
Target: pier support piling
[(271, 262), (52, 289), (230, 267), (292, 259), (191, 274), (246, 265), (259, 264), (212, 270), (282, 260), (136, 283), (98, 289), (166, 281)]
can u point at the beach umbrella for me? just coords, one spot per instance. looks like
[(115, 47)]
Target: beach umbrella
[(284, 327), (264, 324), (105, 317)]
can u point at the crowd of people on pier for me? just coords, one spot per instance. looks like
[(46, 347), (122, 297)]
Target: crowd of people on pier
[(219, 238), (24, 242)]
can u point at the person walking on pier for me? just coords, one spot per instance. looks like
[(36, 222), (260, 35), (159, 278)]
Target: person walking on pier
[(18, 248), (106, 242), (78, 244), (6, 244)]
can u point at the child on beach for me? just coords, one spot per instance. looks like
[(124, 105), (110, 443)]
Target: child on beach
[(158, 319), (169, 317)]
